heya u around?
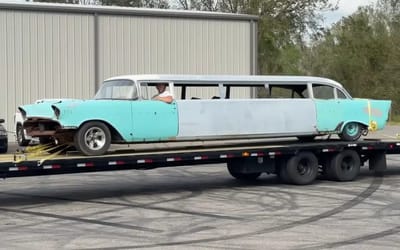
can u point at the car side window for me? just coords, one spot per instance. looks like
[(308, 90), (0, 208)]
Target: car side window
[(117, 89), (288, 91), (323, 91), (340, 94), (124, 92), (148, 90), (144, 91)]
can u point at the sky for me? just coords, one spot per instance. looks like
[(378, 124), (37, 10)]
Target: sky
[(346, 8)]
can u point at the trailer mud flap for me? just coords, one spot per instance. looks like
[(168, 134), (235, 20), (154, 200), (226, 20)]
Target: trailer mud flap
[(377, 162)]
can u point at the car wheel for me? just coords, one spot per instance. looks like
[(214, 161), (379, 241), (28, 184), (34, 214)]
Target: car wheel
[(351, 132), (93, 138), (21, 140)]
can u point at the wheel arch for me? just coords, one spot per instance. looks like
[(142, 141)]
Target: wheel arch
[(344, 123), (115, 134)]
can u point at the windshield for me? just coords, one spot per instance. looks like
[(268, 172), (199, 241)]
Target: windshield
[(117, 89)]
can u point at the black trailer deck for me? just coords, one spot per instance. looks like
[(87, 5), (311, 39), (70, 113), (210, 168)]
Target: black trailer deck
[(255, 154)]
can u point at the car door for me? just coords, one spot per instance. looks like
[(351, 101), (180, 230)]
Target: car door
[(330, 110), (153, 120)]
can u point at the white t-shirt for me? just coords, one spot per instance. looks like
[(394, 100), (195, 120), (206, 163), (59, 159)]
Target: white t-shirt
[(166, 93)]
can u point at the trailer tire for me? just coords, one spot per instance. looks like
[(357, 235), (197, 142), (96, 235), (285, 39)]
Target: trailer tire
[(93, 138), (345, 166), (233, 170), (302, 169)]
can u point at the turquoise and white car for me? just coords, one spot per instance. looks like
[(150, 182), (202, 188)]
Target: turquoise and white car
[(240, 107)]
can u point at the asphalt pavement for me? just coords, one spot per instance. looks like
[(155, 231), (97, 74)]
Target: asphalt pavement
[(199, 207)]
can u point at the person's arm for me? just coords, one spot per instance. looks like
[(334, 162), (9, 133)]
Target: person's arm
[(167, 99)]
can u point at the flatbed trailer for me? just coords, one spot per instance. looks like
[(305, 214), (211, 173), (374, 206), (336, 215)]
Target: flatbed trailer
[(293, 161)]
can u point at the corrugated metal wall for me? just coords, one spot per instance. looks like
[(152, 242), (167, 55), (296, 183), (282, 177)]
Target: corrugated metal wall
[(65, 51), (44, 55), (172, 45)]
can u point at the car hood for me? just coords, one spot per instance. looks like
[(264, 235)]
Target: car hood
[(45, 109)]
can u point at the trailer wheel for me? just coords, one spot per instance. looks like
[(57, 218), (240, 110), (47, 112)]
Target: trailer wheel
[(351, 132), (233, 170), (302, 169), (345, 166), (21, 140), (93, 138)]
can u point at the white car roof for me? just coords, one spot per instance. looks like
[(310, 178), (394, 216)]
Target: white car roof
[(231, 79)]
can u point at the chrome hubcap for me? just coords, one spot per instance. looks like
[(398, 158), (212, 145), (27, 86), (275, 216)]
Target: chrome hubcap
[(95, 138), (352, 129)]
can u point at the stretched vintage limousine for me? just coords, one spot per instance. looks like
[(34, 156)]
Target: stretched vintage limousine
[(123, 111)]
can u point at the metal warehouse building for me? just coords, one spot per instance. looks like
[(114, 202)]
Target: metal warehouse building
[(65, 51)]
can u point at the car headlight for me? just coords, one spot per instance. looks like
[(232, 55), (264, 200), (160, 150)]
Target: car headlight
[(57, 111), (23, 113)]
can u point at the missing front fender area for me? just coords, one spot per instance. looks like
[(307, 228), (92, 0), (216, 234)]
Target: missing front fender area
[(41, 127)]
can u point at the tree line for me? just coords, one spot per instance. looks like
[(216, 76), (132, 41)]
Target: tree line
[(360, 51)]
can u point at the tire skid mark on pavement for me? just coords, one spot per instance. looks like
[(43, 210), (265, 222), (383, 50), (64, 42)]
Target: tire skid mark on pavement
[(285, 198), (10, 227), (149, 205), (145, 206), (373, 187), (368, 237), (215, 247), (82, 220)]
